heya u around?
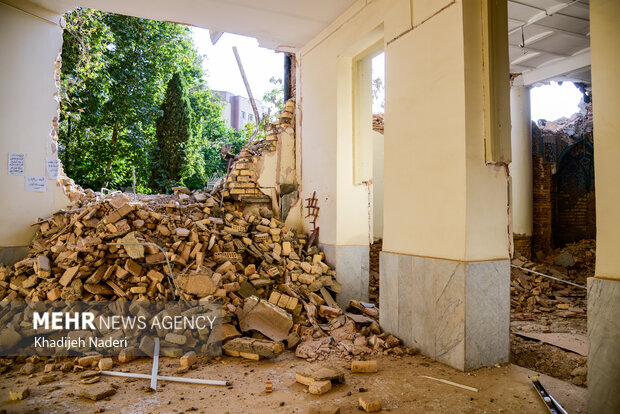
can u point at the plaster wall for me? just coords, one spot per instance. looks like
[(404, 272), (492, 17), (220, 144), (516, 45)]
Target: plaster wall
[(29, 46), (487, 231), (377, 184), (325, 84), (441, 199), (605, 32), (278, 167)]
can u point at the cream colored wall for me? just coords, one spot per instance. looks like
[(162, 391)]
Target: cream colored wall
[(487, 234), (278, 167), (441, 200), (377, 184), (325, 85), (425, 178), (29, 47), (605, 32)]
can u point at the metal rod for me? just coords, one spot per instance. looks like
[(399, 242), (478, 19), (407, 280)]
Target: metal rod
[(247, 88), (166, 378), (155, 365), (550, 277)]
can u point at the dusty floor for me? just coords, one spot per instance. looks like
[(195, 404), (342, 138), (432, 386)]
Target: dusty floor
[(545, 358), (398, 385)]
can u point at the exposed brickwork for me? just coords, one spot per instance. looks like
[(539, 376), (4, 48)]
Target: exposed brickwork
[(242, 180), (575, 217), (523, 245), (542, 230)]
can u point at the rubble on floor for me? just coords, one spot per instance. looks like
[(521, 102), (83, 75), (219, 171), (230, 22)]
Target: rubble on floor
[(270, 283), (275, 289), (533, 294), (374, 258), (378, 123)]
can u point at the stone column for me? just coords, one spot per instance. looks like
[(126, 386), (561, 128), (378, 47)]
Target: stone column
[(604, 288), (521, 169)]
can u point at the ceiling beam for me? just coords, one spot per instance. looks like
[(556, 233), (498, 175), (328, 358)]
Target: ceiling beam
[(552, 70), (544, 27), (542, 13), (533, 49)]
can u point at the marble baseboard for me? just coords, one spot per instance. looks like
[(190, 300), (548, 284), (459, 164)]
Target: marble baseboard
[(604, 346), (455, 312), (351, 264)]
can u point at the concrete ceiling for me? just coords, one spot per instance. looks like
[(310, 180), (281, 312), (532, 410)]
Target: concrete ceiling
[(276, 24), (549, 40)]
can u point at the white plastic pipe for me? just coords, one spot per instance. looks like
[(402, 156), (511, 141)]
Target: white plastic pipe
[(166, 378)]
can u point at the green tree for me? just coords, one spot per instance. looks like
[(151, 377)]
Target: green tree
[(114, 77), (275, 96), (115, 70), (172, 136)]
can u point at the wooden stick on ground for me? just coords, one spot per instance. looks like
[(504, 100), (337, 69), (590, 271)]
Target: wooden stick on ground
[(465, 387)]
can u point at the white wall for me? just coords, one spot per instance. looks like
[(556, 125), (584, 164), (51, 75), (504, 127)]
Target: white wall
[(441, 199), (521, 165), (29, 47), (377, 184)]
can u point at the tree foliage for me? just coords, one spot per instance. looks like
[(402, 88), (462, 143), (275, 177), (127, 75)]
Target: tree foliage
[(114, 77), (275, 96), (173, 132)]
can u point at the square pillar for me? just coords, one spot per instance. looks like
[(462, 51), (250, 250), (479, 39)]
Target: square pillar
[(445, 276), (604, 288)]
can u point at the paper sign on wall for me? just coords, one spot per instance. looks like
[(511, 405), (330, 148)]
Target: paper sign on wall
[(36, 184), (16, 163), (53, 165)]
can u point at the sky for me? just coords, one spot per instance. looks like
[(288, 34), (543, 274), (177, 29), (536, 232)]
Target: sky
[(222, 72), (554, 101), (548, 102)]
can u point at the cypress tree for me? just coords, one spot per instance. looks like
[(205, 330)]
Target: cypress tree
[(173, 131)]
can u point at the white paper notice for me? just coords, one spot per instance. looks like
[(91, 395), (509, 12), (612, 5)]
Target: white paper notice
[(36, 184), (52, 164), (16, 163)]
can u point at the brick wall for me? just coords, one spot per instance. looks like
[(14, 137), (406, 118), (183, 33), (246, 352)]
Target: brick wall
[(575, 217), (542, 231), (523, 245)]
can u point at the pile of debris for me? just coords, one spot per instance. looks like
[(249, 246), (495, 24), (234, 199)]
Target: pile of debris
[(378, 123), (570, 129), (374, 256), (275, 288), (534, 294)]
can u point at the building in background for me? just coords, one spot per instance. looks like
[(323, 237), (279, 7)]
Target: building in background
[(237, 109)]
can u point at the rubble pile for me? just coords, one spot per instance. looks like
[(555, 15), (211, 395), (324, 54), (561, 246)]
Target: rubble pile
[(534, 294), (272, 285), (570, 129), (374, 256), (378, 123)]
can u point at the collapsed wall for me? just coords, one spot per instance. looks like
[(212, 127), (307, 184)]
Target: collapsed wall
[(264, 171), (272, 282), (563, 199)]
